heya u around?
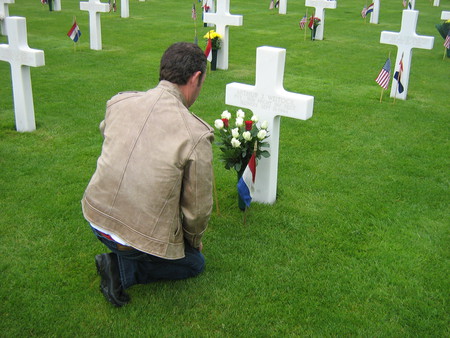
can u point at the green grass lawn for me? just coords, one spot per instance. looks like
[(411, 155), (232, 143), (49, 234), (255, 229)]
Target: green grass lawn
[(357, 243)]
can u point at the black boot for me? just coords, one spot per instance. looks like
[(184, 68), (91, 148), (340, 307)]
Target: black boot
[(110, 285)]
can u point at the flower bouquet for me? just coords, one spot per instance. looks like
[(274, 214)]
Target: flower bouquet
[(213, 44), (239, 138), (313, 23), (216, 39)]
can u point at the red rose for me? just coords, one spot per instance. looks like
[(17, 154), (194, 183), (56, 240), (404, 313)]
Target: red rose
[(225, 123), (248, 125)]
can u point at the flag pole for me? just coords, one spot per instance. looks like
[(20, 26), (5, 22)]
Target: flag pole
[(215, 193), (195, 25), (365, 16), (306, 15)]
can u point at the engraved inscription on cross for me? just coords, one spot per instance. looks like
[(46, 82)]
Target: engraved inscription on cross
[(269, 101), (222, 19), (320, 6), (4, 13), (405, 41), (21, 58), (95, 7)]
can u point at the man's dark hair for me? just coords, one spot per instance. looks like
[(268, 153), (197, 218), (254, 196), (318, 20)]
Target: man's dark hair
[(180, 61)]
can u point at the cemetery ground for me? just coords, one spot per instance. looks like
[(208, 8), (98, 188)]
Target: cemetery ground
[(357, 242)]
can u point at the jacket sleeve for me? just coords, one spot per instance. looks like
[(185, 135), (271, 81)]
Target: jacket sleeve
[(196, 195)]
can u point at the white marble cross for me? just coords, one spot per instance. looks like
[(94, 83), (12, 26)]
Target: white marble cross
[(57, 5), (124, 9), (445, 15), (320, 6), (21, 58), (376, 12), (4, 12), (405, 41), (222, 19), (95, 7), (282, 7), (212, 9), (436, 3), (269, 101)]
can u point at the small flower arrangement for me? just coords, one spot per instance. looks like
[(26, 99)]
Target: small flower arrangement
[(239, 138), (216, 39), (313, 22)]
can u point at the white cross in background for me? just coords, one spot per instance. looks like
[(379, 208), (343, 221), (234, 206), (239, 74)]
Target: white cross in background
[(376, 12), (4, 13), (269, 101), (282, 7), (57, 5), (222, 19), (320, 6), (21, 58), (95, 7), (405, 41), (124, 8)]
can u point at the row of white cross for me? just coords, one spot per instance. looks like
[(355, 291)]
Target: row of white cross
[(267, 98)]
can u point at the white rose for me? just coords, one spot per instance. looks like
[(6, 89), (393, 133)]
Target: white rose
[(235, 132), (255, 119), (247, 135), (239, 121), (240, 113), (262, 134), (226, 115), (235, 143), (264, 124), (218, 124)]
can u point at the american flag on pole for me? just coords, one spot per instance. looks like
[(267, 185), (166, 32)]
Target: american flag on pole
[(364, 12), (74, 32), (385, 75), (194, 12), (447, 41), (302, 22)]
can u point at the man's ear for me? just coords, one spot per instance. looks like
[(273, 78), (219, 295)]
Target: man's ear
[(196, 78)]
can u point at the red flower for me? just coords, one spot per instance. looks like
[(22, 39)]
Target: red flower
[(225, 123), (248, 125)]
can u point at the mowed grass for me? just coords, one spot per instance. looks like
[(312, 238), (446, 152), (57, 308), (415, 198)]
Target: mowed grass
[(357, 243)]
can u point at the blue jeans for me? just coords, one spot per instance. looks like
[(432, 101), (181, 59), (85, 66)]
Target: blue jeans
[(137, 267)]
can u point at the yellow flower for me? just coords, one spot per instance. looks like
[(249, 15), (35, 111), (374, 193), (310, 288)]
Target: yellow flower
[(212, 35)]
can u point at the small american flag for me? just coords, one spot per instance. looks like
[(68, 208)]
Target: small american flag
[(302, 22), (447, 41), (364, 12), (194, 12), (385, 75)]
